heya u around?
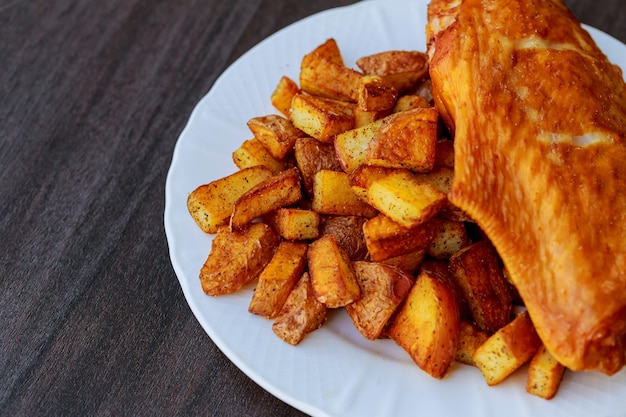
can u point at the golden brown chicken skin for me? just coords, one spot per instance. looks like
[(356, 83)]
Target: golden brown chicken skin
[(538, 115)]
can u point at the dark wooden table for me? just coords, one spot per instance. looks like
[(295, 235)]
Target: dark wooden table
[(93, 96)]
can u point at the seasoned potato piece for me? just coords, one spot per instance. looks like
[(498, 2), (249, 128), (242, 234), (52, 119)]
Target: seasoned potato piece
[(470, 339), (427, 325), (283, 94), (363, 117), (280, 190), (278, 279), (332, 274), (409, 102), (351, 145), (252, 153), (387, 239), (451, 237), (348, 230), (507, 349), (332, 194), (295, 224), (301, 313), (401, 197), (479, 275), (383, 287), (441, 178), (329, 50), (374, 94), (544, 375), (321, 118), (312, 156), (276, 133), (211, 205), (439, 268), (323, 74), (236, 259), (402, 69), (409, 262), (406, 140), (362, 177)]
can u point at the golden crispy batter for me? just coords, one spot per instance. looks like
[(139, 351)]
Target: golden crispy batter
[(539, 118)]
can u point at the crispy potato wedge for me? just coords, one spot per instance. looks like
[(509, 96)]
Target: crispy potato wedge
[(276, 133), (386, 239), (301, 313), (332, 194), (252, 153), (374, 94), (283, 94), (278, 278), (329, 50), (211, 205), (441, 178), (332, 274), (321, 118), (312, 156), (544, 375), (479, 275), (278, 191), (401, 197), (440, 269), (470, 339), (507, 349), (295, 223), (406, 140), (351, 145), (451, 237), (427, 325), (237, 258), (348, 230), (383, 287)]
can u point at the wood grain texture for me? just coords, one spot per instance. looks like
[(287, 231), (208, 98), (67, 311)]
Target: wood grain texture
[(94, 95)]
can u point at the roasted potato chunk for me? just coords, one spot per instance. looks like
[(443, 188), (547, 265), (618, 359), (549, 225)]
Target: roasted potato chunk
[(351, 145), (401, 197), (332, 274), (283, 94), (470, 339), (326, 76), (386, 239), (479, 275), (348, 230), (402, 69), (280, 190), (451, 237), (312, 156), (427, 325), (278, 279), (362, 177), (332, 194), (409, 102), (383, 287), (544, 375), (321, 118), (507, 349), (406, 140), (252, 153), (301, 313), (295, 224), (409, 262), (374, 94), (211, 205), (237, 258), (276, 133)]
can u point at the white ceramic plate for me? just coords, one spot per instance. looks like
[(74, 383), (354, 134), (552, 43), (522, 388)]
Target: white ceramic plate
[(335, 371)]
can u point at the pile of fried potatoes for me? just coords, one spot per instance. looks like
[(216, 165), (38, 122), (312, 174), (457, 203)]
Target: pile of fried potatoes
[(340, 201)]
